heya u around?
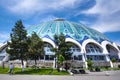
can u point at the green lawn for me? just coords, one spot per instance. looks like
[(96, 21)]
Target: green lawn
[(41, 71), (4, 71)]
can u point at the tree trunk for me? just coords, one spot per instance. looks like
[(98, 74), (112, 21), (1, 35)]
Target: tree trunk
[(58, 67), (35, 63), (3, 66), (22, 61), (66, 66), (22, 64)]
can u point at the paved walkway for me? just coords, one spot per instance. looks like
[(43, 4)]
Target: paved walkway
[(109, 75)]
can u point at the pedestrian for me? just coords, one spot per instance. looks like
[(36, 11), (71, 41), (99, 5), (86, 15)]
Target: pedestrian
[(10, 68)]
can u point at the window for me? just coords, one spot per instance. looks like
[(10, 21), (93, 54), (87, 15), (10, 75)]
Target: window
[(77, 57), (42, 57), (101, 57), (2, 57), (49, 57), (96, 57), (47, 47), (46, 57), (113, 52), (92, 48), (75, 48)]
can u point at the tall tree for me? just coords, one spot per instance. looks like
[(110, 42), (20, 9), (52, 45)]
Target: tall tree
[(17, 47), (62, 49), (36, 47)]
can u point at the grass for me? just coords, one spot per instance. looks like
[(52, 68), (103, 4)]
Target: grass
[(4, 71), (41, 71), (106, 69), (31, 71)]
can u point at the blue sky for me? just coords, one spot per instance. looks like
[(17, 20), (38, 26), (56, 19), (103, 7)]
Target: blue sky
[(102, 15)]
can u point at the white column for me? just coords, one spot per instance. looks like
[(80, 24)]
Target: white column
[(107, 57), (119, 55), (83, 57), (84, 60), (44, 57), (54, 63), (108, 60)]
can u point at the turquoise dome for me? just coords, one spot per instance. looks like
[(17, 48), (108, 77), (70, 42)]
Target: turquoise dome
[(76, 31)]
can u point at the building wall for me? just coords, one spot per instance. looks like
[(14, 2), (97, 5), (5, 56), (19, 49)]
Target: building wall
[(102, 46), (82, 47)]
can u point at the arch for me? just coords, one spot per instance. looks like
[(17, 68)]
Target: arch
[(94, 52), (74, 42), (47, 47), (49, 55), (92, 48), (112, 51), (46, 44), (114, 44), (118, 47), (49, 41), (104, 43), (90, 41), (3, 54), (76, 49)]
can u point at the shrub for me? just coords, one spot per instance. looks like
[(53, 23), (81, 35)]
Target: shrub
[(91, 69), (89, 63), (119, 66), (113, 59), (106, 67), (82, 71), (97, 69)]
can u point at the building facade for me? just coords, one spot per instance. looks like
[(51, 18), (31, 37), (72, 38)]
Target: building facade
[(88, 43)]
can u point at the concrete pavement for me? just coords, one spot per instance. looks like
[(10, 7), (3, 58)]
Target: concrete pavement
[(109, 75)]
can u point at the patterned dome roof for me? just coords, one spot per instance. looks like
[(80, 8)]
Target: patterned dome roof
[(76, 31)]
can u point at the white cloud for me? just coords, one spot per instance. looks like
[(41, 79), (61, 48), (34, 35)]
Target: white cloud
[(4, 37), (106, 26), (33, 6), (86, 23), (108, 15)]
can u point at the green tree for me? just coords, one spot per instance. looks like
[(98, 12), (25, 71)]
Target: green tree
[(62, 48), (89, 63), (18, 47), (36, 47)]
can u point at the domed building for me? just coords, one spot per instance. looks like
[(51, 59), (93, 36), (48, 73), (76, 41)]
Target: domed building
[(88, 43)]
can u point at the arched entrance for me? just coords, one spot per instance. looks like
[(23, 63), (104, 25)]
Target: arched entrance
[(118, 47), (94, 52), (49, 55), (113, 52), (76, 52)]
